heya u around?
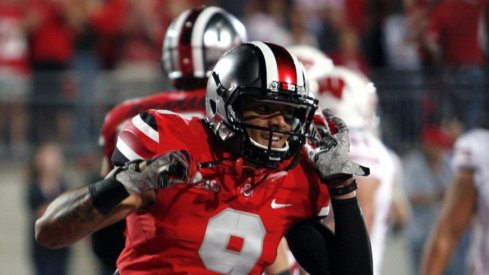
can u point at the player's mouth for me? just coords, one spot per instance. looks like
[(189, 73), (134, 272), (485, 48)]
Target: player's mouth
[(278, 141)]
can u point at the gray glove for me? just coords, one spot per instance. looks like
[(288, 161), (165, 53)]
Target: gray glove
[(159, 172), (331, 152)]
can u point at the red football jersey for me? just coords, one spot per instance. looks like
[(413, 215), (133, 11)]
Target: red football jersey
[(185, 102), (230, 222)]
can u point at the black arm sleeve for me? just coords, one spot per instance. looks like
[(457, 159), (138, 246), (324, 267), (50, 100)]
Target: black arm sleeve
[(352, 249), (311, 242), (345, 252)]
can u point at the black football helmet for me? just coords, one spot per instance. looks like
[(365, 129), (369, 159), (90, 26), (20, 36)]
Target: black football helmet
[(259, 71), (194, 41)]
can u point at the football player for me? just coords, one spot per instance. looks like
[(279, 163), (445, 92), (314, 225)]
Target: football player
[(466, 203), (193, 43), (217, 195), (352, 96)]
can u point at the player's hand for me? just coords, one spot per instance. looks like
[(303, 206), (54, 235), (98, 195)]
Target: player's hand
[(330, 152), (159, 172)]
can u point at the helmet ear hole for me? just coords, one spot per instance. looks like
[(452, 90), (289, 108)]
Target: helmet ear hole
[(213, 106)]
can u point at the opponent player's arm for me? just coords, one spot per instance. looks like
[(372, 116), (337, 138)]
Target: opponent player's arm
[(457, 212), (281, 265), (347, 251)]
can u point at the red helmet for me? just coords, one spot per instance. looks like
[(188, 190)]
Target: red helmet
[(194, 42)]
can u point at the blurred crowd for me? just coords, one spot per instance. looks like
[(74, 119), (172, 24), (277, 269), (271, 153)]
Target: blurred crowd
[(51, 52)]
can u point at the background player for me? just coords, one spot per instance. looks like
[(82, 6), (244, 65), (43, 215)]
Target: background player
[(187, 59), (466, 201), (352, 97)]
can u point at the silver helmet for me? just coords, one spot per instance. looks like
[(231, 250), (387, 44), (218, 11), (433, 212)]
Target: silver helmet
[(265, 72), (194, 42)]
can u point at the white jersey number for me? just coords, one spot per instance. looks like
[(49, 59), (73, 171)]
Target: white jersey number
[(233, 242)]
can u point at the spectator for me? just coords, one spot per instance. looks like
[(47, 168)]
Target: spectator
[(137, 70), (454, 42), (327, 32), (51, 47), (14, 79), (46, 182), (427, 173), (349, 53), (299, 31), (401, 31), (267, 21), (400, 210), (93, 31)]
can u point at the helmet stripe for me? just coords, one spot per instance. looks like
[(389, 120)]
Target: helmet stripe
[(270, 63), (301, 76), (288, 70), (276, 57), (197, 39), (185, 48), (171, 42)]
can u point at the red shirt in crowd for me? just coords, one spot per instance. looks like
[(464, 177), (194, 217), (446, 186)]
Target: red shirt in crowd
[(455, 25), (13, 44), (51, 38)]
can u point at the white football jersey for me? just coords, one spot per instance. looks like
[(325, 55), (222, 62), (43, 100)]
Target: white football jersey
[(471, 152), (368, 150)]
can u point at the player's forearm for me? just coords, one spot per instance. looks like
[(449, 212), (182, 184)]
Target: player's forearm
[(72, 216), (352, 252), (437, 253), (433, 264)]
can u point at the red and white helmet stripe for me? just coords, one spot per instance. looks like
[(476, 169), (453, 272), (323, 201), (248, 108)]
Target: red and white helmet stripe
[(281, 66), (187, 36), (183, 59)]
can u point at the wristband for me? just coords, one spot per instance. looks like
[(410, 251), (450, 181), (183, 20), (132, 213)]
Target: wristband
[(106, 194), (338, 191), (337, 179)]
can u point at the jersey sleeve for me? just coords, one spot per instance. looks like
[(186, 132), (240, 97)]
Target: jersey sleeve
[(137, 140), (108, 133), (465, 153)]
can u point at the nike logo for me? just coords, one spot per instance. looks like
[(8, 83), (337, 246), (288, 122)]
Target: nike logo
[(279, 205)]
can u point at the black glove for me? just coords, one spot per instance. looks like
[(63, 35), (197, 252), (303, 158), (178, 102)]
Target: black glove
[(330, 153)]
